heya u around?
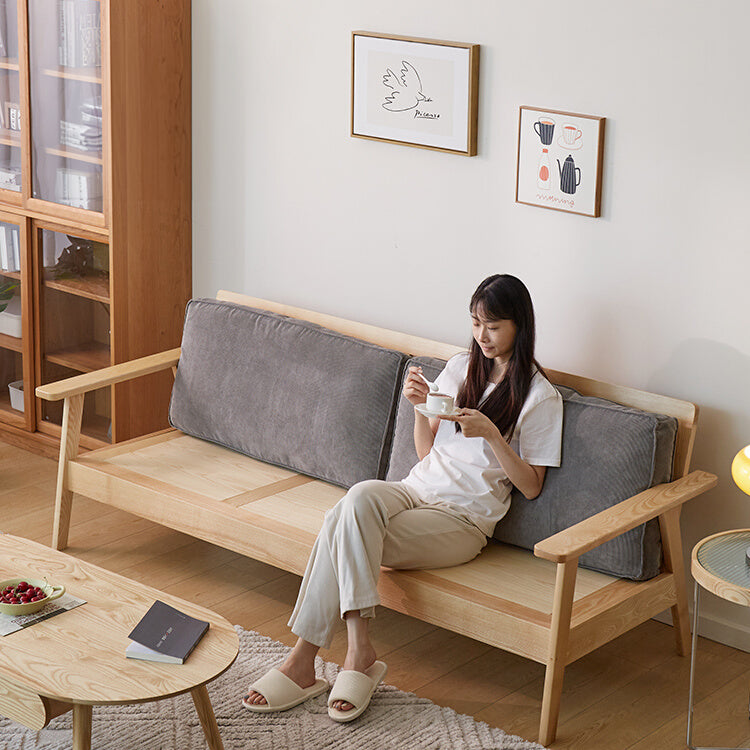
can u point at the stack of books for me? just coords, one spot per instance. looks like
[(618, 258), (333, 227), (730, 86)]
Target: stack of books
[(79, 37), (79, 188), (165, 634), (80, 136), (10, 178), (10, 251)]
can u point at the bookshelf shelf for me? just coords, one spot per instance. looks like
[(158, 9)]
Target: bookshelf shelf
[(68, 153), (10, 138), (11, 342), (95, 288), (84, 358), (11, 274), (7, 63), (85, 75)]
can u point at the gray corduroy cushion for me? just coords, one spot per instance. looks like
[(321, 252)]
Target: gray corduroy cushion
[(287, 392), (403, 452), (610, 452)]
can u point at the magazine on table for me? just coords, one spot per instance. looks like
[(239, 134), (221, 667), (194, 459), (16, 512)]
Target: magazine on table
[(12, 623)]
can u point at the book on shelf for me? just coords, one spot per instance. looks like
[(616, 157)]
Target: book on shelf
[(10, 251), (79, 34), (79, 188), (80, 136), (10, 178), (165, 634)]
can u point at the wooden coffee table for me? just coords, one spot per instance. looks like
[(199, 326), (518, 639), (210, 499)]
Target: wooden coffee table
[(76, 660)]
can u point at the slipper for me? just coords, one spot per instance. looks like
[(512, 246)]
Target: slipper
[(282, 693), (355, 688)]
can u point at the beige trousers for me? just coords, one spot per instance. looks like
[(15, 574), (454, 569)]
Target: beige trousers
[(376, 523)]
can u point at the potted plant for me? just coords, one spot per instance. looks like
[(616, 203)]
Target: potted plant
[(7, 292)]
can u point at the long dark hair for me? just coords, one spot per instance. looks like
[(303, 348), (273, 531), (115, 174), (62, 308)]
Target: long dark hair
[(501, 297)]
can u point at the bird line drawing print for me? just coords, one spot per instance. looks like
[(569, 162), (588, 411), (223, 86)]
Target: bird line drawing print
[(406, 92)]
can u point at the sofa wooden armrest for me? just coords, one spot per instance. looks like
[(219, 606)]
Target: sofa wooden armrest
[(90, 381), (572, 542)]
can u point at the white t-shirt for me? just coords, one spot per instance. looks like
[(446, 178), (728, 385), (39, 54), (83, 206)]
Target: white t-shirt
[(465, 471)]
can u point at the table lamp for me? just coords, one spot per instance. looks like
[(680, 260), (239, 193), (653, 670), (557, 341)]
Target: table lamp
[(741, 476)]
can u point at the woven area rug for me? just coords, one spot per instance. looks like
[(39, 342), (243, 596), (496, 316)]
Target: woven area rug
[(395, 719)]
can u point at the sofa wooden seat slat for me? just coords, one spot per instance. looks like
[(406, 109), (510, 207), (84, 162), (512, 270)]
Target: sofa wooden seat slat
[(540, 605)]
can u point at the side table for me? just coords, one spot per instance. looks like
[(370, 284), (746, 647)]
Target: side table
[(718, 565)]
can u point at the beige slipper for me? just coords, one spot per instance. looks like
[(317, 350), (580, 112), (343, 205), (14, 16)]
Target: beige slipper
[(355, 688), (281, 693)]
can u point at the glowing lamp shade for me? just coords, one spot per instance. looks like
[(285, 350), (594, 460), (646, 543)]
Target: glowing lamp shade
[(741, 470)]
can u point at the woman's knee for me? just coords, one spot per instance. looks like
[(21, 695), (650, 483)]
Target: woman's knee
[(360, 498)]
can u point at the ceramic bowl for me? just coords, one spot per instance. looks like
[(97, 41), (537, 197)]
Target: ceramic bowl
[(52, 592)]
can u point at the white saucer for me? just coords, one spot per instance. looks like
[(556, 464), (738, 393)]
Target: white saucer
[(422, 409), (570, 146)]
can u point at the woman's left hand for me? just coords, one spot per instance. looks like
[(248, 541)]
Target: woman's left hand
[(474, 424)]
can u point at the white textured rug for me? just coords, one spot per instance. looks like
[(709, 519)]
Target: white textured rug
[(394, 719)]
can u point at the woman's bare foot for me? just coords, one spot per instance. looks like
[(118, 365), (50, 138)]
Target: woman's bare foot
[(299, 667)]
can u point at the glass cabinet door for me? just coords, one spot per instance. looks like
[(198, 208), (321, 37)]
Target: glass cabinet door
[(74, 323), (14, 348), (10, 99), (66, 102)]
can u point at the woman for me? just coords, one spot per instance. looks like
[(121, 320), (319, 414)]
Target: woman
[(505, 432)]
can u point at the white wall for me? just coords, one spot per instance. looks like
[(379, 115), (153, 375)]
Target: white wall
[(652, 294)]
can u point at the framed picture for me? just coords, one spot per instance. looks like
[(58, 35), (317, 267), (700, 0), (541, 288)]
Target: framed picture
[(560, 160), (417, 92)]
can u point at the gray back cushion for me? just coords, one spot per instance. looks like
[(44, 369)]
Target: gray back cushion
[(610, 452), (285, 391), (403, 453)]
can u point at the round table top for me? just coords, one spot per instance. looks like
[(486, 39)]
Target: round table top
[(719, 565), (79, 656)]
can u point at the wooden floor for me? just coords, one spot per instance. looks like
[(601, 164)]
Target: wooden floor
[(632, 693)]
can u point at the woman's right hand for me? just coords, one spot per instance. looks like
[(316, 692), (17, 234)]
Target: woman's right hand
[(415, 389)]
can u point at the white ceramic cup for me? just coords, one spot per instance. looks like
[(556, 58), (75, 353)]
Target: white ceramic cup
[(439, 403), (571, 134)]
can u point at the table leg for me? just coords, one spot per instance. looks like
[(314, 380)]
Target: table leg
[(696, 602), (690, 744), (206, 715), (81, 727)]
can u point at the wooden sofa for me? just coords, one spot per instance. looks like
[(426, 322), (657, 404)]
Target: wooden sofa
[(542, 606)]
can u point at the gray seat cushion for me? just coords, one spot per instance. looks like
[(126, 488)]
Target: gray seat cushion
[(629, 451), (285, 391)]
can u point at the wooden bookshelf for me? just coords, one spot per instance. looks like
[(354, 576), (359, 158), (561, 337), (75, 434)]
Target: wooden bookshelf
[(127, 297)]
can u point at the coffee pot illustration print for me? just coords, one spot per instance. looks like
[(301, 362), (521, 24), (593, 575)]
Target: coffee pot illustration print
[(570, 175)]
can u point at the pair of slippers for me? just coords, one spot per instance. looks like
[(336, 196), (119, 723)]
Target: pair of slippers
[(356, 688)]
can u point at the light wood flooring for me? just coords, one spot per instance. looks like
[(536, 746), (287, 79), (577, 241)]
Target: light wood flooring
[(632, 693)]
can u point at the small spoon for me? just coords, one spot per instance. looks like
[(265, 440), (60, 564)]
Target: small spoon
[(432, 386)]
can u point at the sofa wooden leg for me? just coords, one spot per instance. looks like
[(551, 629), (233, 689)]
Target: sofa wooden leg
[(69, 439), (671, 540), (565, 585)]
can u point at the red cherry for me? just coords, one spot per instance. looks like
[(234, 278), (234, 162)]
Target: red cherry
[(22, 586)]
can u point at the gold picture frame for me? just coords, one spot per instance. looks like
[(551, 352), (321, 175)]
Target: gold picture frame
[(415, 92), (574, 143)]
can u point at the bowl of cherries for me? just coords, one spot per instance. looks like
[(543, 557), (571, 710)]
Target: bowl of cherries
[(24, 596)]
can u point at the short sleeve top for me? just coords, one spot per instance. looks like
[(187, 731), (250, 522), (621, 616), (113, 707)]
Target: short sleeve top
[(465, 471)]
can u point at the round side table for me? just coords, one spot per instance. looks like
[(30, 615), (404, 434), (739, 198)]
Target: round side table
[(718, 565)]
